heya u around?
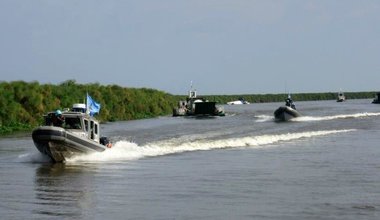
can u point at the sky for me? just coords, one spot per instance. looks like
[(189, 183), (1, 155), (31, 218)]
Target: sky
[(222, 46)]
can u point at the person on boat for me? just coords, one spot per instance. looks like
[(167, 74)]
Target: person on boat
[(289, 103), (58, 118)]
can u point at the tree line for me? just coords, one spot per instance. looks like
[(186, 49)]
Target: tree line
[(261, 98), (23, 104)]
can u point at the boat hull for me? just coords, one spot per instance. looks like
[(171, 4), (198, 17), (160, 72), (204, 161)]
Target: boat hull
[(285, 113), (205, 108), (179, 111), (60, 144), (200, 109), (238, 103)]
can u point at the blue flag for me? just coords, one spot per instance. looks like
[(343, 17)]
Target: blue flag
[(92, 106)]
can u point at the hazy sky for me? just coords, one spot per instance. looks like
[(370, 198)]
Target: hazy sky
[(223, 46)]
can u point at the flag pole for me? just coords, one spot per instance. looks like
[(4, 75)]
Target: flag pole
[(86, 102)]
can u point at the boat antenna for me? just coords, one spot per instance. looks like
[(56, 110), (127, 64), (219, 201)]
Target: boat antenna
[(286, 87), (192, 93)]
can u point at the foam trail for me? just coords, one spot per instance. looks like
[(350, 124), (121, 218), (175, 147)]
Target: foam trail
[(326, 118), (264, 118), (125, 151)]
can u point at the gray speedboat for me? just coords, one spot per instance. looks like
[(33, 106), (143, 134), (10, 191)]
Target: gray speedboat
[(341, 97), (69, 133), (376, 100), (287, 112)]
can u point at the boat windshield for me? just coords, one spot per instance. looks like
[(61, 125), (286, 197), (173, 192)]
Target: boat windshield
[(72, 123)]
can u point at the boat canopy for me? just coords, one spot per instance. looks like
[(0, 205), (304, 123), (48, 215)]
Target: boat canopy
[(79, 107)]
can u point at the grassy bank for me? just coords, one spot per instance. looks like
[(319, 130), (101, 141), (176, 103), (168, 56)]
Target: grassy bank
[(261, 98), (23, 104)]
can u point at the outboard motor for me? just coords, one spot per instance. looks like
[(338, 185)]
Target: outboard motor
[(105, 142)]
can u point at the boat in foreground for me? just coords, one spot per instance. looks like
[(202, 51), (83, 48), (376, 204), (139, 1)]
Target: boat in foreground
[(69, 133), (287, 112)]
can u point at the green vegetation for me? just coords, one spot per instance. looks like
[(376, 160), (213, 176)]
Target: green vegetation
[(260, 98), (23, 104)]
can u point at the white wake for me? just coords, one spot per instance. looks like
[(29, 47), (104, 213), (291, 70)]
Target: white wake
[(125, 151), (333, 117), (264, 118)]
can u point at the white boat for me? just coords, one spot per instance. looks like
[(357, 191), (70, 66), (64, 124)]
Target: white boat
[(69, 133), (241, 101), (197, 106), (287, 112)]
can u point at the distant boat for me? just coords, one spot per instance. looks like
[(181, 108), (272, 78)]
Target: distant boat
[(341, 97), (241, 101), (376, 100), (287, 112), (197, 106)]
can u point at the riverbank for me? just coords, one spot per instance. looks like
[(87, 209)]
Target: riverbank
[(263, 98), (23, 104), (15, 127)]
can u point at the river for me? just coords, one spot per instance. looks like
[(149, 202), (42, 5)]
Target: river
[(324, 165)]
